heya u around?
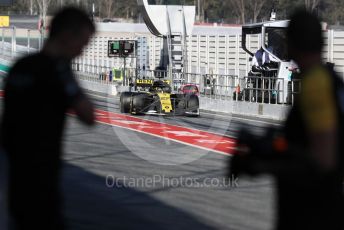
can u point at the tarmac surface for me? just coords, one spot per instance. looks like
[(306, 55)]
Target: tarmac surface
[(108, 184)]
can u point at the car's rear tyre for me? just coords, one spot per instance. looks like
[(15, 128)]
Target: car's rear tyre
[(193, 104), (125, 101), (192, 101)]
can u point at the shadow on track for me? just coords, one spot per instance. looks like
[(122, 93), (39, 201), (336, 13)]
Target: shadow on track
[(90, 204)]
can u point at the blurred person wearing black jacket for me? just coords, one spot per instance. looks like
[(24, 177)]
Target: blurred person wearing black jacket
[(306, 157), (39, 90)]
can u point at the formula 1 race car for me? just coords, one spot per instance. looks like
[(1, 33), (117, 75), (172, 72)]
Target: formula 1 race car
[(158, 99)]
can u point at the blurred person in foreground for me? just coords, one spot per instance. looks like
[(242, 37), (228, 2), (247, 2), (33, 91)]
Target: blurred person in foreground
[(306, 156), (38, 92)]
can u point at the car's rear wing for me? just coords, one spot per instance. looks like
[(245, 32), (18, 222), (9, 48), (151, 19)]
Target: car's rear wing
[(147, 82), (144, 82)]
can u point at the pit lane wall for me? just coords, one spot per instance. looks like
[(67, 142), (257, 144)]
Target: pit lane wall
[(258, 110)]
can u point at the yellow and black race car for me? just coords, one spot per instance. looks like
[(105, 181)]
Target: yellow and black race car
[(158, 100)]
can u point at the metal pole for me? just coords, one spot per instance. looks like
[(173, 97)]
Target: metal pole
[(3, 39), (93, 10), (31, 7), (124, 75), (41, 38), (28, 41), (14, 42), (263, 89), (199, 10), (43, 34)]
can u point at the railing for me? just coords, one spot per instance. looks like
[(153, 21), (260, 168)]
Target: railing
[(15, 42), (254, 89), (262, 90), (295, 89)]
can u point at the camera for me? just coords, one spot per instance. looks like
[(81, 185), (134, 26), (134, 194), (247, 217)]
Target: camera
[(252, 150)]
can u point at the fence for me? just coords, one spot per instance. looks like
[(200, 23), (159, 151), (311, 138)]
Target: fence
[(15, 42), (257, 89)]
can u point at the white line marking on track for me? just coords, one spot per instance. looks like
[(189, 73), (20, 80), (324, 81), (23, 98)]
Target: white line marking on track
[(211, 132), (184, 134)]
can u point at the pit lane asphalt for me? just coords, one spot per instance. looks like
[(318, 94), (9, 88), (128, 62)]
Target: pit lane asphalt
[(93, 154)]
